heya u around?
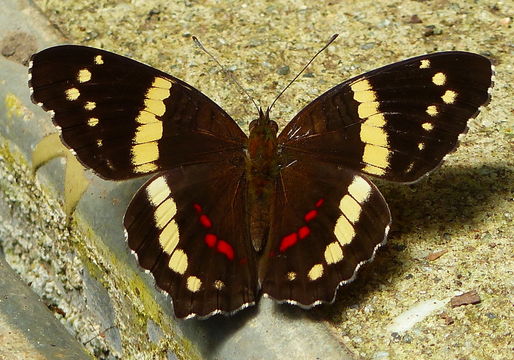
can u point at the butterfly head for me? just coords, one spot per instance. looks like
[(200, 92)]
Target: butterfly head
[(263, 122)]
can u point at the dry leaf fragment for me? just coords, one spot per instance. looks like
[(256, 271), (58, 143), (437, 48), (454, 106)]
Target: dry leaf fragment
[(470, 297), (436, 255)]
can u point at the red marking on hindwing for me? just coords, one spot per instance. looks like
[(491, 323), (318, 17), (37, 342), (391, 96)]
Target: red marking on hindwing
[(205, 221), (311, 215), (210, 240), (288, 241), (225, 248), (304, 231)]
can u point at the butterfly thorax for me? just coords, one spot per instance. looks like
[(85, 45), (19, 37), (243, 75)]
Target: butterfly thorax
[(262, 170)]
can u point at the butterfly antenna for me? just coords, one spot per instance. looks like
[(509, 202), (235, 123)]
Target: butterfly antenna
[(305, 67), (230, 75)]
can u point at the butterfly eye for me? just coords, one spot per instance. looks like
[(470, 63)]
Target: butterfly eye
[(252, 124), (274, 126)]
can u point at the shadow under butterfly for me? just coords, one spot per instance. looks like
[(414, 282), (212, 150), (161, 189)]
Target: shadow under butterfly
[(227, 217)]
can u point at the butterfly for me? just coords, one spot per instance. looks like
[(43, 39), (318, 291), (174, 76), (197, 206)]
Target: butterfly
[(226, 218)]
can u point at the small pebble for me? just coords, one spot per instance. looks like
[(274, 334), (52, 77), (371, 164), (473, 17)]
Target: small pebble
[(407, 339), (381, 355), (432, 30), (283, 70), (367, 46), (490, 315), (414, 19)]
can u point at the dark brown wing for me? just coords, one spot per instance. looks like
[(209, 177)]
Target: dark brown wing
[(397, 122), (188, 224), (327, 222), (188, 227), (125, 119)]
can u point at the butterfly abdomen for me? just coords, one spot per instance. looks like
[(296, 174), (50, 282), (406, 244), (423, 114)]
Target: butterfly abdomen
[(262, 170)]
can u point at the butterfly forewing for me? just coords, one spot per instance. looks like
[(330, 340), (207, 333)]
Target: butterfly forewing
[(125, 119), (397, 122), (329, 222), (188, 227)]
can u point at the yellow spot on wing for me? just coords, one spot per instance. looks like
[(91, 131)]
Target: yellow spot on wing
[(367, 109), (439, 79), (363, 92), (373, 135), (90, 105), (315, 272), (432, 110), (84, 75), (162, 83), (377, 120), (365, 96), (146, 117), (344, 231), (157, 93), (178, 261), (165, 212), (373, 170), (148, 132), (145, 168), (72, 94), (421, 146), (359, 189), (449, 96), (193, 283), (425, 64), (218, 284), (93, 121), (144, 153), (376, 155), (169, 237), (333, 253), (156, 107), (291, 276), (158, 191), (427, 126), (350, 208), (361, 85), (99, 60)]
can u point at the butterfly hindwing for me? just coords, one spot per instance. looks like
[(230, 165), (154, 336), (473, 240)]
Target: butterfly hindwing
[(331, 221), (188, 228), (396, 122), (125, 119)]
